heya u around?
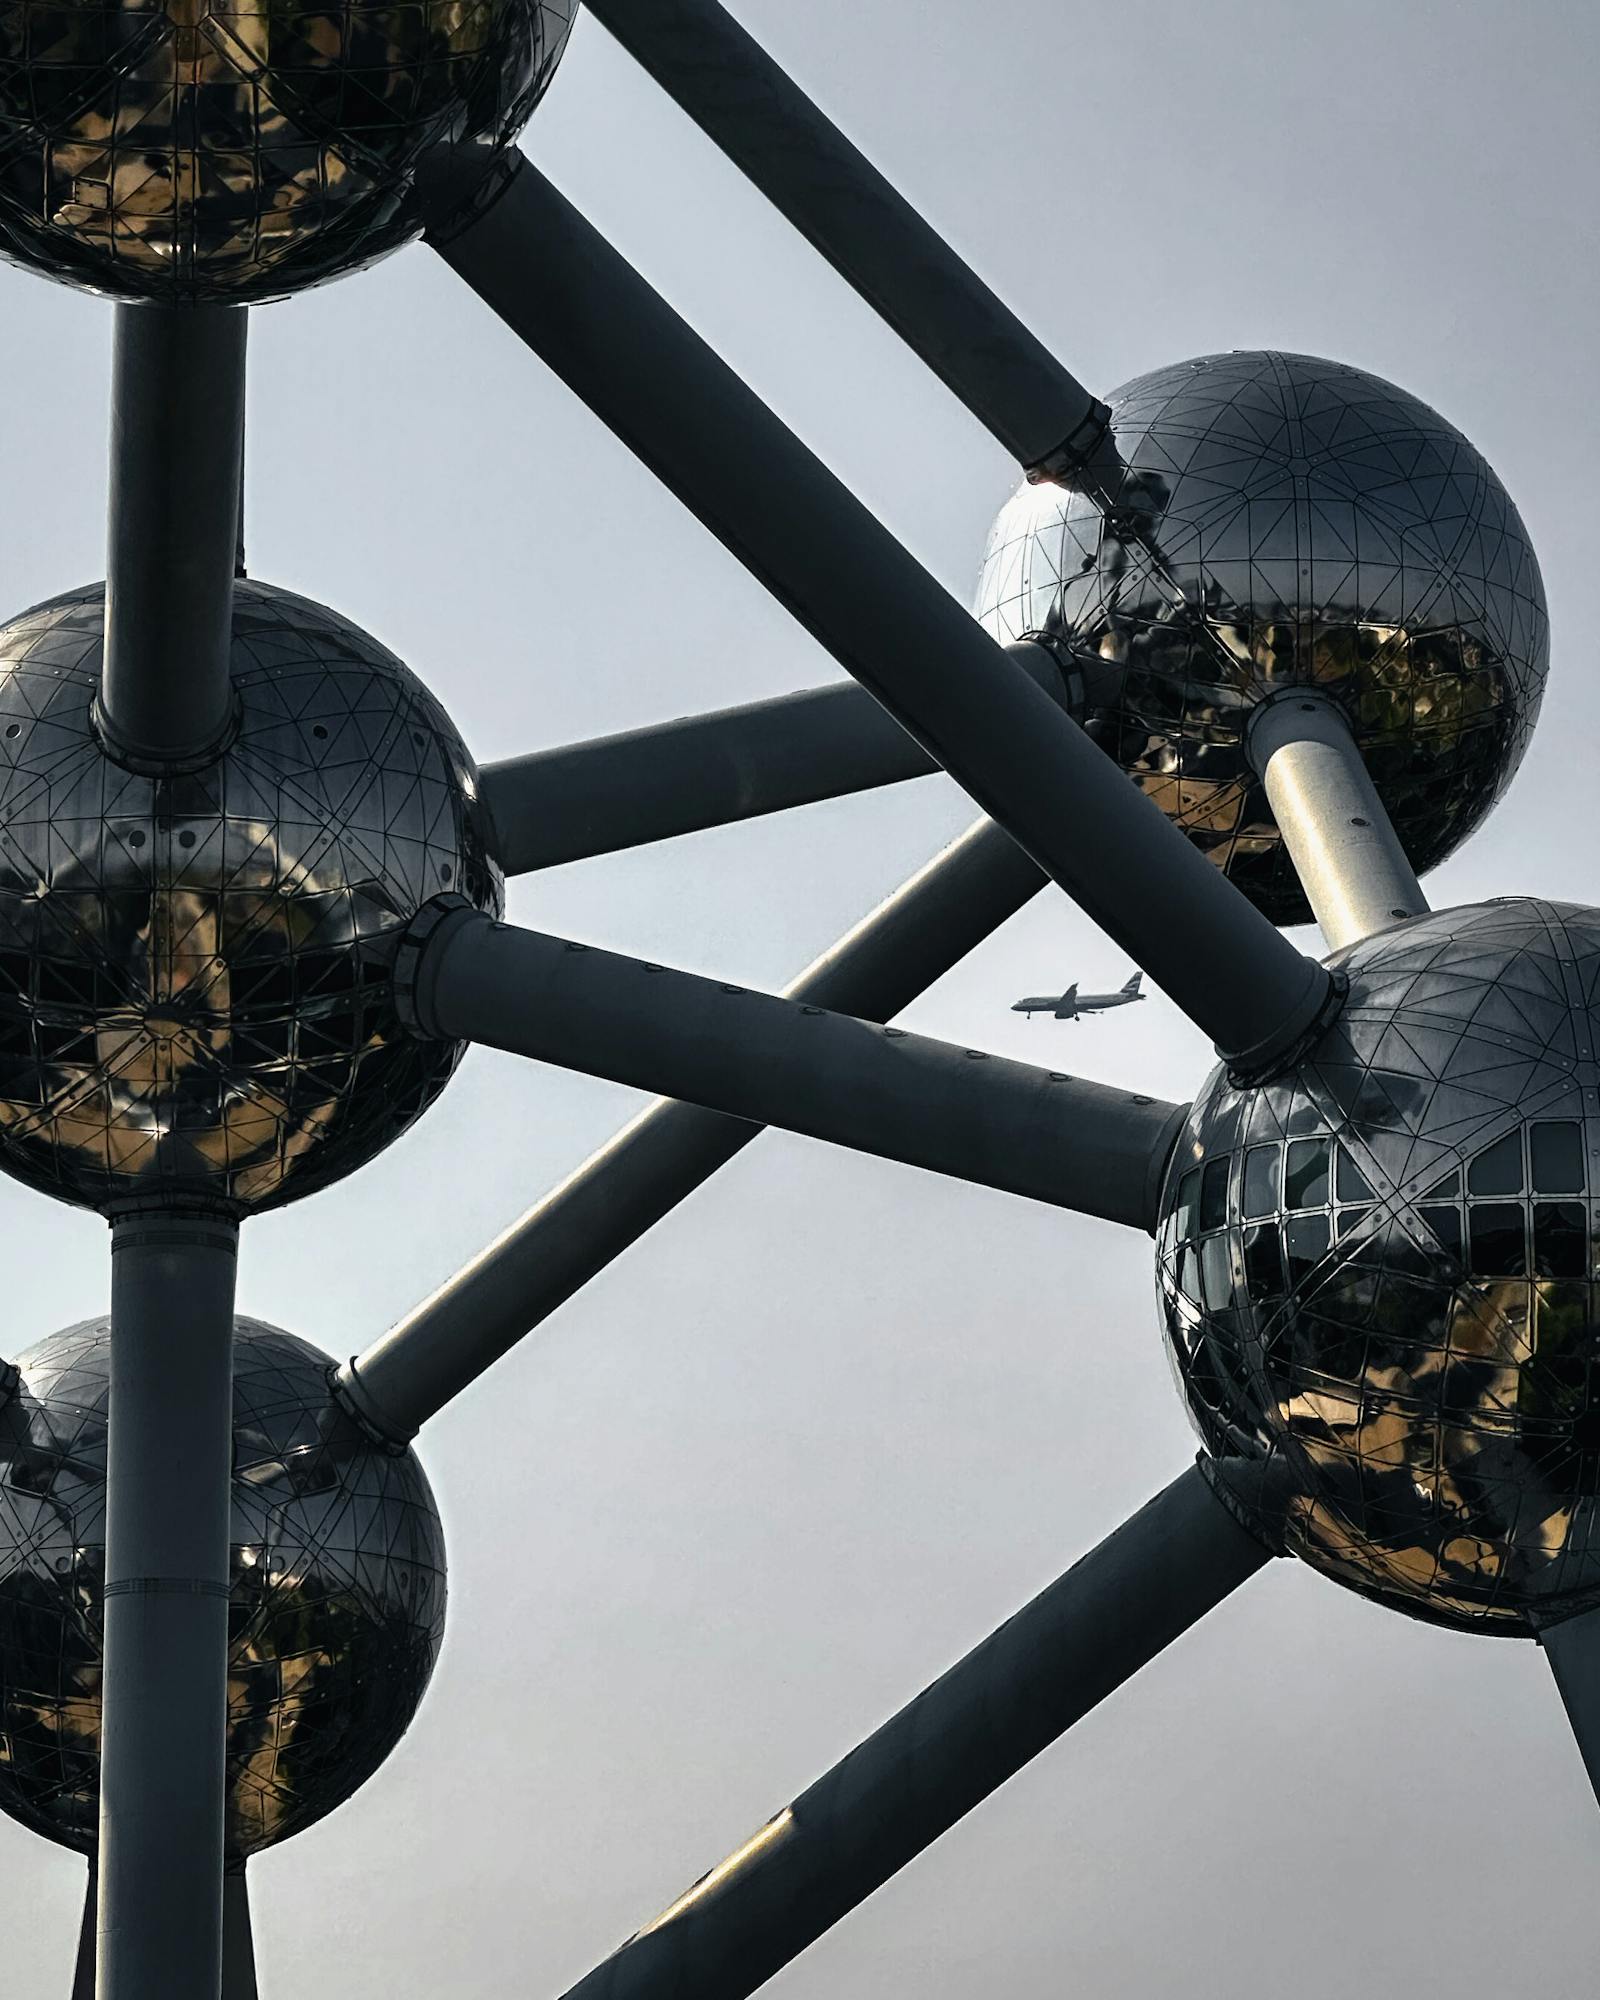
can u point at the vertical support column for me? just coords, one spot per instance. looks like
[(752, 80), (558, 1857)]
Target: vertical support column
[(83, 1970), (1338, 832), (240, 567), (164, 1702), (238, 1940), (177, 462)]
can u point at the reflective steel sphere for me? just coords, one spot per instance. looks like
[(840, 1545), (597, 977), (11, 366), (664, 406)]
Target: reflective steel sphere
[(1286, 521), (186, 151), (338, 1590), (195, 989), (1378, 1270)]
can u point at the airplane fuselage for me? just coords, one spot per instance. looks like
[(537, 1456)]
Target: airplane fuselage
[(1073, 1005)]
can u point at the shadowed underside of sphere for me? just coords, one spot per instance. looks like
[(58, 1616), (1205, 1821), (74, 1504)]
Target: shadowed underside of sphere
[(188, 151), (1286, 521), (1378, 1270), (195, 972), (338, 1590)]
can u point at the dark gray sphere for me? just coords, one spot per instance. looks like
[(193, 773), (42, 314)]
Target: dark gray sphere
[(338, 1590), (1286, 521), (1378, 1270), (195, 984), (185, 152)]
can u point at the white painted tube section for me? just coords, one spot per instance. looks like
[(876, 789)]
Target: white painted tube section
[(1339, 835)]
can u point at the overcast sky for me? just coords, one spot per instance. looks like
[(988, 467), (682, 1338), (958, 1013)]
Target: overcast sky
[(834, 1420)]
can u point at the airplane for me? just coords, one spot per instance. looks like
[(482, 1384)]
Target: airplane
[(1073, 1005)]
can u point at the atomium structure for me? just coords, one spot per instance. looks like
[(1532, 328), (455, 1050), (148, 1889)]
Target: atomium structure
[(1260, 637)]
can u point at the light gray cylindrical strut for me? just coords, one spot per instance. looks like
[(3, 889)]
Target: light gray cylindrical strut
[(773, 1061), (877, 968), (177, 463), (165, 1690), (1338, 832), (706, 770)]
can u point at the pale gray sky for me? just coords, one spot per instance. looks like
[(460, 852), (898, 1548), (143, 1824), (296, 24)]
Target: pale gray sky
[(835, 1419)]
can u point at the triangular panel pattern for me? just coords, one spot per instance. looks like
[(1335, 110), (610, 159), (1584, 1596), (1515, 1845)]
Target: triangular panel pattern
[(238, 150), (1378, 1271), (195, 995), (1285, 521), (338, 1589)]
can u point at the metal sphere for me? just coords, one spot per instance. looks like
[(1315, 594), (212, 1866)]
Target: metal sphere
[(1286, 521), (184, 151), (196, 997), (338, 1590), (1377, 1270)]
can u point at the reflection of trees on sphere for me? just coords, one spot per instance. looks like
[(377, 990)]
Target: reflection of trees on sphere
[(338, 1590), (1286, 520), (195, 971), (237, 151), (1378, 1269)]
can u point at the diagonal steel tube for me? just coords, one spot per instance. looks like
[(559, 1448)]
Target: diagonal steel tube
[(874, 239), (461, 976), (1354, 872), (812, 174), (958, 1742), (872, 236), (658, 1160), (177, 464), (165, 1686), (705, 770), (561, 287), (928, 925), (1573, 1650)]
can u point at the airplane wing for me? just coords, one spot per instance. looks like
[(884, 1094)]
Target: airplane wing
[(1075, 1006)]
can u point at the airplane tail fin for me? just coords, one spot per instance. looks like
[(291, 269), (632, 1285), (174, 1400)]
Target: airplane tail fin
[(1132, 987)]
